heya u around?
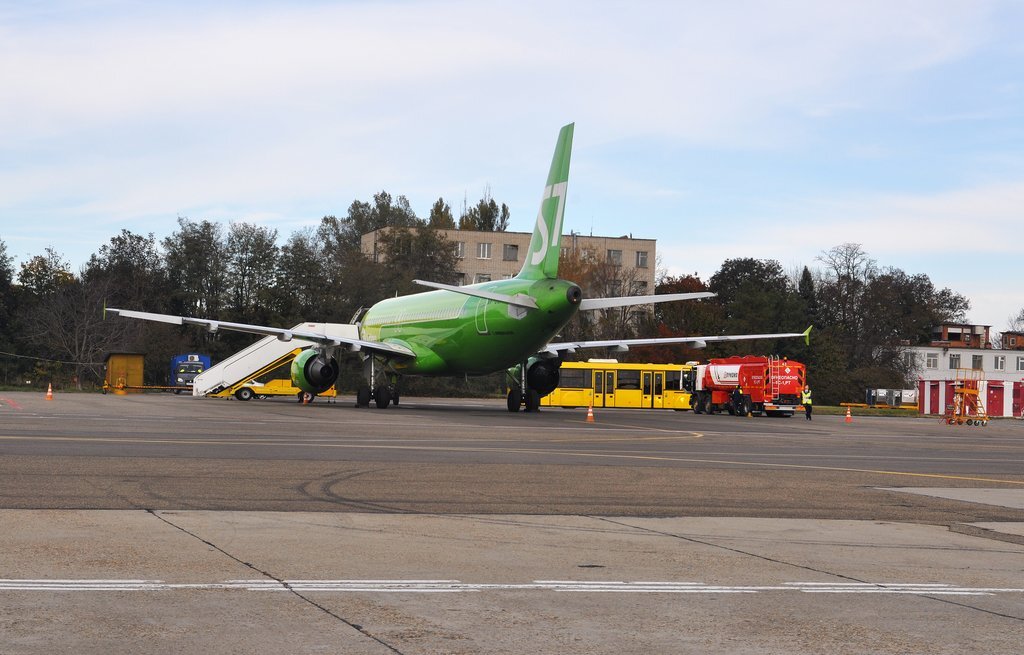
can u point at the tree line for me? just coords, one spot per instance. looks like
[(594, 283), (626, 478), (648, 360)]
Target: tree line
[(52, 326)]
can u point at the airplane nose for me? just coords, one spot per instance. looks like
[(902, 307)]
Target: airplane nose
[(574, 294)]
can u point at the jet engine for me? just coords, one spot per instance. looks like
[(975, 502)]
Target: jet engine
[(542, 375), (314, 372)]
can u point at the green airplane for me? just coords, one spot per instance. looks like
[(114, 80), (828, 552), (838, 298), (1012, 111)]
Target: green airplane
[(469, 330)]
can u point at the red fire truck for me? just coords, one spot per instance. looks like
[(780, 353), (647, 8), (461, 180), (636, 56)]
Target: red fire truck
[(748, 385)]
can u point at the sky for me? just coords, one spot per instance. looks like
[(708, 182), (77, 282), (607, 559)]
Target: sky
[(771, 129)]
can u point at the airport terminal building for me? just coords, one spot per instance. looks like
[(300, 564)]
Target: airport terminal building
[(959, 348)]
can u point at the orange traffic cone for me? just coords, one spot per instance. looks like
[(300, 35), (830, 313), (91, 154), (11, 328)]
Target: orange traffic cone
[(49, 391), (590, 413), (848, 419)]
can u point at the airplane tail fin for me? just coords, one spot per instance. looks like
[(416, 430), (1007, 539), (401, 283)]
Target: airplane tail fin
[(545, 247)]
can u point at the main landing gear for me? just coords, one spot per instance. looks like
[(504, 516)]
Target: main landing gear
[(385, 389), (520, 395)]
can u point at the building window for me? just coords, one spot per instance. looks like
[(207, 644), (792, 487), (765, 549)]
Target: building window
[(510, 253), (954, 362), (1013, 341), (615, 257), (932, 360), (483, 251), (460, 249), (976, 362), (1000, 362), (483, 277), (460, 279), (641, 259), (1020, 363)]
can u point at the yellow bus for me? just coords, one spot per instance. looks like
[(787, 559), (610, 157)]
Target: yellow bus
[(608, 383)]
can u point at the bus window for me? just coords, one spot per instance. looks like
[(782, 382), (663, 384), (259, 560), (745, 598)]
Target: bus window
[(658, 381), (629, 380), (598, 382), (673, 379), (647, 383), (571, 377)]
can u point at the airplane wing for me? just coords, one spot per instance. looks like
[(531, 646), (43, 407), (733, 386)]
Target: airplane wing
[(555, 349), (625, 301), (322, 338)]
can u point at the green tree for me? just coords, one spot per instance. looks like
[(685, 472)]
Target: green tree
[(44, 274), (303, 288), (441, 216), (486, 215), (423, 254), (197, 270), (134, 269), (252, 255)]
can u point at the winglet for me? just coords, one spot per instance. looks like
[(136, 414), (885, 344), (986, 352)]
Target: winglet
[(546, 244), (807, 335)]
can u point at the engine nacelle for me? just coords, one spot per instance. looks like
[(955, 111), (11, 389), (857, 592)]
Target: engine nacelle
[(542, 375), (313, 372)]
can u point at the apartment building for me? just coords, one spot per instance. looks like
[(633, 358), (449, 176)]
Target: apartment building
[(485, 256)]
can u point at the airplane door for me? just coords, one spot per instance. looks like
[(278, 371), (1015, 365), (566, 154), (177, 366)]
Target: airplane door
[(481, 315)]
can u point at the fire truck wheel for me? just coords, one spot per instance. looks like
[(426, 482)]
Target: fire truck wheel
[(709, 405), (745, 407), (697, 403)]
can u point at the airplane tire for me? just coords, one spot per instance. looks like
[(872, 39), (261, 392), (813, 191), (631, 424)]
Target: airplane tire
[(363, 396), (515, 399), (383, 397), (532, 400)]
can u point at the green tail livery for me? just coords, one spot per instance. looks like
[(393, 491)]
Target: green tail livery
[(468, 330)]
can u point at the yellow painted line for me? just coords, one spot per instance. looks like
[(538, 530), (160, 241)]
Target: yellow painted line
[(521, 451)]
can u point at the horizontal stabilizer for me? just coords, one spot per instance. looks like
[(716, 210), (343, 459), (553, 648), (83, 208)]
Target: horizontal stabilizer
[(518, 300), (626, 301)]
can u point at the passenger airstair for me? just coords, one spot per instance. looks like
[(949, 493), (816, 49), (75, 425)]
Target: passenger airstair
[(260, 358)]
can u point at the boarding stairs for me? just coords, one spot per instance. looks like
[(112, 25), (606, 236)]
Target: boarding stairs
[(261, 358)]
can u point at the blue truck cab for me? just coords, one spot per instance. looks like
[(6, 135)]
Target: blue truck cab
[(184, 369)]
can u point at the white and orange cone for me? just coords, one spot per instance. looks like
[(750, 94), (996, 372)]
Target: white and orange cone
[(849, 418), (49, 391), (590, 413)]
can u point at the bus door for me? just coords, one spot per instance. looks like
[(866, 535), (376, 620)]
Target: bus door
[(654, 386), (604, 388)]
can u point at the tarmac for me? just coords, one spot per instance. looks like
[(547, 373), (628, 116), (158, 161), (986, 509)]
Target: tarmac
[(270, 582)]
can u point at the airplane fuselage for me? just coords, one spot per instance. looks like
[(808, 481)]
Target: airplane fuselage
[(455, 334)]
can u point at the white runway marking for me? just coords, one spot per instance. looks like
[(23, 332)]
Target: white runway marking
[(455, 586)]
